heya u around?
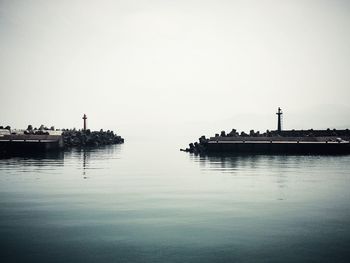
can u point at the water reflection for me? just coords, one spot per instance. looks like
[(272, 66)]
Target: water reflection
[(238, 163), (226, 163), (34, 162), (141, 204), (93, 158), (279, 173), (34, 156), (83, 159), (85, 154), (234, 163)]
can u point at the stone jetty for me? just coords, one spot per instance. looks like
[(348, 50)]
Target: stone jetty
[(254, 140), (49, 139), (81, 138), (278, 141)]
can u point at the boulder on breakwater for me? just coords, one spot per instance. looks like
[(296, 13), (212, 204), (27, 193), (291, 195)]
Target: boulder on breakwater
[(81, 138), (197, 147)]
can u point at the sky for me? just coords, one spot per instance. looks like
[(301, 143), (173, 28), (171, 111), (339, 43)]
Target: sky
[(175, 68)]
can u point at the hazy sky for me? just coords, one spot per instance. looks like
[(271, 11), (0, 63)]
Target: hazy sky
[(175, 67)]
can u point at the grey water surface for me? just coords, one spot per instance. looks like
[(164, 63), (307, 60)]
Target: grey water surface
[(149, 202)]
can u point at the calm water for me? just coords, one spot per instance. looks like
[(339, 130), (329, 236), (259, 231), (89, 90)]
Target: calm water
[(147, 202)]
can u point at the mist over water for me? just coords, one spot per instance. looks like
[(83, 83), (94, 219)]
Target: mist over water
[(187, 67), (161, 74), (146, 202)]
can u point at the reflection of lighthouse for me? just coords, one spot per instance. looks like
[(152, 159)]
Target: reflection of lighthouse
[(279, 123), (84, 164), (84, 118)]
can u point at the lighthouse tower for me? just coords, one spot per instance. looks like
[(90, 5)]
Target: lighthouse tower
[(84, 118), (279, 120)]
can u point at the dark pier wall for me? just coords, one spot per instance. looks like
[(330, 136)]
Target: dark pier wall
[(30, 143), (279, 147)]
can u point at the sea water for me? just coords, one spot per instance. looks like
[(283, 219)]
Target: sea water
[(149, 202)]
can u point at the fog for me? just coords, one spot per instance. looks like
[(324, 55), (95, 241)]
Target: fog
[(175, 68)]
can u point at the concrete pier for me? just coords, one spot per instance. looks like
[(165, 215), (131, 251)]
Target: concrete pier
[(279, 146), (30, 143)]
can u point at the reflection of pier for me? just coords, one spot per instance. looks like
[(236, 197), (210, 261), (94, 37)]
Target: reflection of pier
[(227, 163), (37, 162), (255, 171)]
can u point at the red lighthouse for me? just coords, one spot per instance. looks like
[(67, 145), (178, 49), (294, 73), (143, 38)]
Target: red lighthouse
[(84, 118)]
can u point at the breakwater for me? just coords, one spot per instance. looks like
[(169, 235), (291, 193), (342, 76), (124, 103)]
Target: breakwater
[(80, 138), (25, 143), (35, 140), (289, 141)]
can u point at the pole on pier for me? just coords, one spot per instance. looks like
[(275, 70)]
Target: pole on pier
[(279, 121), (84, 118)]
